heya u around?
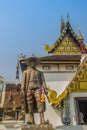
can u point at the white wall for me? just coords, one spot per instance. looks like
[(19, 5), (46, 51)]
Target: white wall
[(58, 76)]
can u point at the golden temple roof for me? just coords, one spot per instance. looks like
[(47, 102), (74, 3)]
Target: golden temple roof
[(66, 32)]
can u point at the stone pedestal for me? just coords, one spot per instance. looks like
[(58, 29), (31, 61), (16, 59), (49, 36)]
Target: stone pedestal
[(37, 127)]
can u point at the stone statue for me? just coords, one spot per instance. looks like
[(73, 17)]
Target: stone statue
[(32, 86)]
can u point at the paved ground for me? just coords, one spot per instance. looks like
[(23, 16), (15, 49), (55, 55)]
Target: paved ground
[(80, 127)]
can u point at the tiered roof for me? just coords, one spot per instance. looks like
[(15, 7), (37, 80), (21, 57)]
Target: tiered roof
[(68, 42)]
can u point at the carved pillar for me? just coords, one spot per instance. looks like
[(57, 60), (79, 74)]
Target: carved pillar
[(67, 107), (66, 114)]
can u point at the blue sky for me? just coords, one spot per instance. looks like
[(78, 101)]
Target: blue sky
[(25, 25)]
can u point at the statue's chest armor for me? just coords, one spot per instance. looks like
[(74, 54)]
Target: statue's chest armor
[(34, 75)]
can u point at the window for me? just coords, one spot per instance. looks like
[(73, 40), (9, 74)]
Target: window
[(46, 67), (69, 67)]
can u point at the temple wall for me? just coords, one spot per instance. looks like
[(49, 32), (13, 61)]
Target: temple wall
[(73, 107), (58, 76)]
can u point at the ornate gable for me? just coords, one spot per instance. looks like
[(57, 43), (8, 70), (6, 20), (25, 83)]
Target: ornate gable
[(67, 43), (77, 84), (79, 81), (67, 46)]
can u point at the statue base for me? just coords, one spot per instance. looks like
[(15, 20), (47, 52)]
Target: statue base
[(37, 127)]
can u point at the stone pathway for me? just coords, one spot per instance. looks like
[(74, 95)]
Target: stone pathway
[(79, 127)]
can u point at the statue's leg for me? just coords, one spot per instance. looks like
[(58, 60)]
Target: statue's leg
[(30, 105), (22, 112), (42, 120), (31, 118), (40, 106)]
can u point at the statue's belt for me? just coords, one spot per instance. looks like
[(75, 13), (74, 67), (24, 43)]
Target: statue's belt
[(33, 87), (34, 81)]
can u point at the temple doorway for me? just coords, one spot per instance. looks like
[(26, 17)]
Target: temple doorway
[(81, 110)]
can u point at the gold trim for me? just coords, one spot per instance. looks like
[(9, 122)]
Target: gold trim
[(54, 98), (47, 48)]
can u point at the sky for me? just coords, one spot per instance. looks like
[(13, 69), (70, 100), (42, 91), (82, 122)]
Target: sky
[(26, 25)]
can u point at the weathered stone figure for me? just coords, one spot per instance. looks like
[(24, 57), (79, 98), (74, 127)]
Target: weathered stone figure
[(31, 87)]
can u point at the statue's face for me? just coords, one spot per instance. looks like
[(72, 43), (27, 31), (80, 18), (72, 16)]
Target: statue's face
[(33, 63)]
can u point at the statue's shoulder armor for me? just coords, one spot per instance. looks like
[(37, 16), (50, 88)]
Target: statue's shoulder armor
[(28, 71)]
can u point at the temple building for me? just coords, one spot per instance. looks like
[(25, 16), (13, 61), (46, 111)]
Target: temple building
[(64, 68), (9, 98), (65, 71)]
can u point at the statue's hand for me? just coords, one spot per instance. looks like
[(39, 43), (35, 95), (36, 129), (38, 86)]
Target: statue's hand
[(46, 91)]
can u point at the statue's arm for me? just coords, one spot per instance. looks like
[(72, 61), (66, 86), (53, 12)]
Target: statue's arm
[(23, 82), (44, 83), (22, 91)]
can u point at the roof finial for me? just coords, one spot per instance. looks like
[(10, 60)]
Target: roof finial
[(80, 34), (62, 21), (67, 17)]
